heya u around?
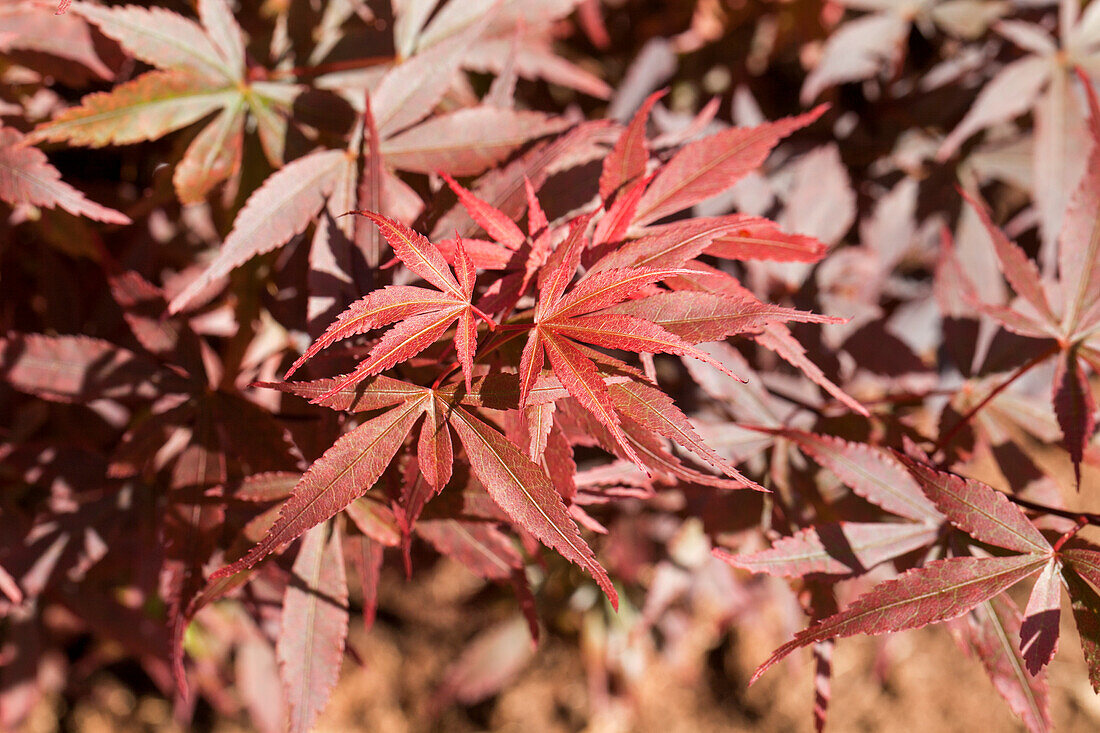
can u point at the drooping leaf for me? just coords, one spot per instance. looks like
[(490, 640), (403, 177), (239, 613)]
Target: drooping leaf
[(482, 548), (366, 557), (651, 408), (1075, 408), (778, 338), (314, 627), (1085, 604), (991, 631)]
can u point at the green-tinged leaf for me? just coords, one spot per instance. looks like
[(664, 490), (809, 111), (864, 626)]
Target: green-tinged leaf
[(145, 108), (159, 37), (213, 155)]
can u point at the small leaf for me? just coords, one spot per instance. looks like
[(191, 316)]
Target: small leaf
[(778, 338), (1039, 631)]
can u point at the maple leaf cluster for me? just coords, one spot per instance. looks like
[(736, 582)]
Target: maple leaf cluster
[(301, 296)]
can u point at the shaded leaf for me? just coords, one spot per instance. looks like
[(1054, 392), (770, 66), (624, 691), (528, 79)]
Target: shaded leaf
[(1039, 630), (314, 627), (844, 548), (26, 177)]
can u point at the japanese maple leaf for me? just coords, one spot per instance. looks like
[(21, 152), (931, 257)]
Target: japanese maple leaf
[(424, 315), (1068, 313), (392, 134), (26, 177), (873, 44), (562, 317), (35, 26), (1042, 82), (945, 589), (200, 69), (520, 33)]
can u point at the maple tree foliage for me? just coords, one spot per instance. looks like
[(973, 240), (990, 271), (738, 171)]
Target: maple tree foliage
[(301, 297)]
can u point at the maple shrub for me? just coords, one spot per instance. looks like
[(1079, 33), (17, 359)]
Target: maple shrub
[(394, 290)]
